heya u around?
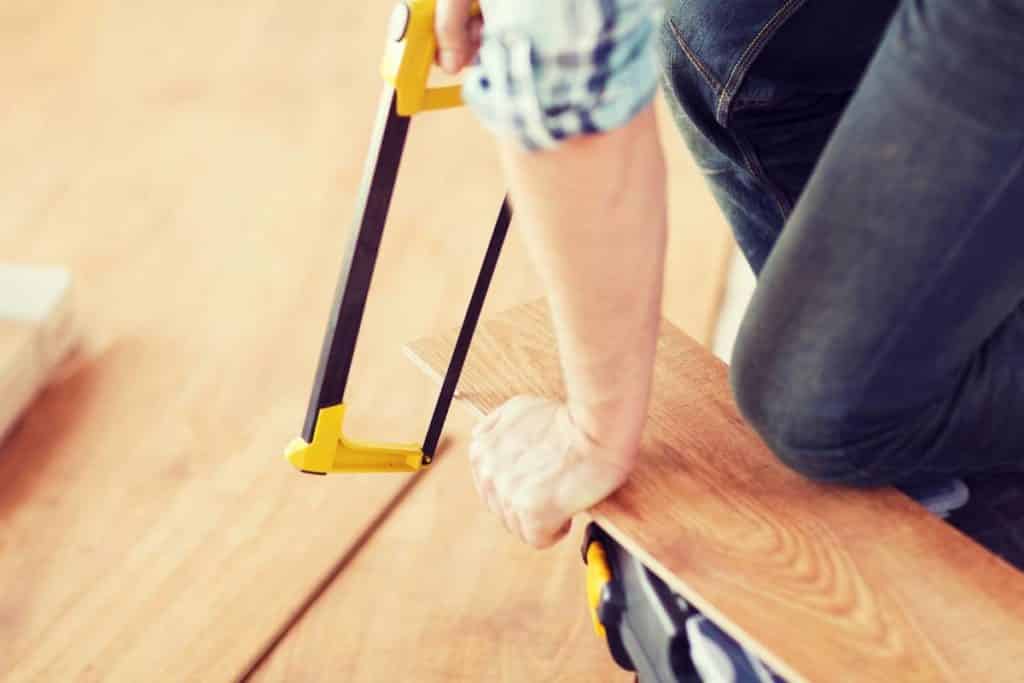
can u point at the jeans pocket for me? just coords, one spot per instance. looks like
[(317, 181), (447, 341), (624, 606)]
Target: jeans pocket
[(707, 156)]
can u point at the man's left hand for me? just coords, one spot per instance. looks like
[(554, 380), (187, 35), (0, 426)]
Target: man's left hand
[(535, 468)]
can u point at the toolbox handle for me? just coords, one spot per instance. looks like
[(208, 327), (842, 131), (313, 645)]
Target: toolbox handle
[(409, 55)]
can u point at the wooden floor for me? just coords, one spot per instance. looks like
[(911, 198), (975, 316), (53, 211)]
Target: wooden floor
[(889, 591), (195, 165)]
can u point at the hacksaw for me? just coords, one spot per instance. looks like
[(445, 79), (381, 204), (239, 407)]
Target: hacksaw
[(323, 447)]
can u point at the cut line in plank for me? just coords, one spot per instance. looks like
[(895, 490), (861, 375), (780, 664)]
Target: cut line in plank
[(318, 590), (820, 581)]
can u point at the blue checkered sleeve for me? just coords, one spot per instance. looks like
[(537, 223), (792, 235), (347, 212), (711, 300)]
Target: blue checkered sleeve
[(550, 70)]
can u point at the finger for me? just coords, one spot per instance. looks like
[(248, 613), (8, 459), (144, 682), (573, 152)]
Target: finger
[(476, 482), (490, 497), (477, 448), (543, 536), (451, 24), (476, 32), (513, 522)]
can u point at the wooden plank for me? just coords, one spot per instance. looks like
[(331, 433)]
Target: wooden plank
[(36, 333), (821, 581), (443, 593), (196, 166)]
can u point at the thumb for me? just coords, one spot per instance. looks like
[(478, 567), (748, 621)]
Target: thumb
[(454, 43)]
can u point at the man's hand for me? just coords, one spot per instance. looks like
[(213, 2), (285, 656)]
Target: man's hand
[(536, 468), (458, 34)]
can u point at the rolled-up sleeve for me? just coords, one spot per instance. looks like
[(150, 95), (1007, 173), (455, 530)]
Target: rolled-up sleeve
[(550, 70)]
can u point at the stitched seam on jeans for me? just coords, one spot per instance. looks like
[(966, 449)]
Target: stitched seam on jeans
[(690, 55), (753, 165), (739, 70)]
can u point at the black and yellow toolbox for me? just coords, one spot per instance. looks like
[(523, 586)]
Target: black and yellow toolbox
[(642, 620)]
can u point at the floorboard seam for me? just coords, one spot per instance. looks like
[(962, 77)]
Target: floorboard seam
[(333, 573)]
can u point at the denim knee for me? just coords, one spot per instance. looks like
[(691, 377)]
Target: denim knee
[(823, 430)]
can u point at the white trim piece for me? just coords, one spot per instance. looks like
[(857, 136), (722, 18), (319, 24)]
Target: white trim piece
[(738, 291), (31, 292)]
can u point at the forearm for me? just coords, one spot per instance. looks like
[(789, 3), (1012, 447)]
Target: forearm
[(592, 213)]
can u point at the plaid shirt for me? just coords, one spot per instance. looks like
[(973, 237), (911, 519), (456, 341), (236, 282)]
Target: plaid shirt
[(549, 70)]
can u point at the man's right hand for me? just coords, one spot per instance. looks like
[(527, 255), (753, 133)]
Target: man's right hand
[(458, 34)]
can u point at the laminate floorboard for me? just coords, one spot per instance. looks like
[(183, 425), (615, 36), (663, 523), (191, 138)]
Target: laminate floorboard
[(826, 583)]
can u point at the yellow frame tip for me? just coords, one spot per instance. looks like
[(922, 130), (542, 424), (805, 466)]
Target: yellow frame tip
[(333, 453)]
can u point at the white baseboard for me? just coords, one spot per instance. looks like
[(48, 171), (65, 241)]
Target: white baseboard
[(738, 290)]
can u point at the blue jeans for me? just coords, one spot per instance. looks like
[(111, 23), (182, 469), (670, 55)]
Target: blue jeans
[(868, 154)]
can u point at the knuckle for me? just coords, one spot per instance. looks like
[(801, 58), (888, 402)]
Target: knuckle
[(508, 444), (476, 450), (515, 506), (504, 490), (522, 501), (501, 446), (486, 480), (528, 505), (492, 502), (481, 447)]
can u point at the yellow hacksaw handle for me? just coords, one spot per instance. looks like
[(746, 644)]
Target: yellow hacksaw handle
[(409, 55)]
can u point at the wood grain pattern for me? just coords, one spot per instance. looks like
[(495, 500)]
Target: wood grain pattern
[(826, 583), (443, 593)]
